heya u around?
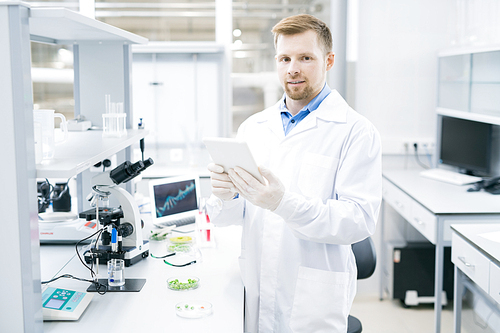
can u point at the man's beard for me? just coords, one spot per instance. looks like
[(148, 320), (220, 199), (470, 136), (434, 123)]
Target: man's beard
[(298, 94)]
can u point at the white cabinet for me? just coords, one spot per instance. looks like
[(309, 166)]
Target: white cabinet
[(102, 66), (454, 82), (469, 84)]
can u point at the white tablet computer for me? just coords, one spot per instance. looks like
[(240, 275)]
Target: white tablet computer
[(230, 153)]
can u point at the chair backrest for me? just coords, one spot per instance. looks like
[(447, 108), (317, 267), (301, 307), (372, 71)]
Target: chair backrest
[(366, 257)]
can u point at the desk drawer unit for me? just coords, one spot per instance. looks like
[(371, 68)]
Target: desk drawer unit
[(398, 199), (470, 261), (419, 217), (495, 282), (424, 221)]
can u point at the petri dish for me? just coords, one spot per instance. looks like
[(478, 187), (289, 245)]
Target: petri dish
[(181, 240), (193, 309), (183, 283)]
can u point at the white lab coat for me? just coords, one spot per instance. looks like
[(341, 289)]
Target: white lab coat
[(296, 263)]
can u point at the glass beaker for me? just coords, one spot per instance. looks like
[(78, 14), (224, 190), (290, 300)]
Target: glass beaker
[(44, 129), (116, 277)]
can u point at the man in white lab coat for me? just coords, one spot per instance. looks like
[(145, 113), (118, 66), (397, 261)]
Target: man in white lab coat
[(322, 164)]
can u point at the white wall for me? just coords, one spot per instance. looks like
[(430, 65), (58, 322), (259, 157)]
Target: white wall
[(396, 71)]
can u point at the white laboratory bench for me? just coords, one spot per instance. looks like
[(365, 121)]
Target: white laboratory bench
[(476, 255), (431, 206), (153, 308)]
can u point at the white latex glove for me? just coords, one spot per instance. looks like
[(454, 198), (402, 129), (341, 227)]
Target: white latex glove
[(222, 186), (267, 196)]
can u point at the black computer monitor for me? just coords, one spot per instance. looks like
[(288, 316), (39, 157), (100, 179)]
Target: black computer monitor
[(466, 144)]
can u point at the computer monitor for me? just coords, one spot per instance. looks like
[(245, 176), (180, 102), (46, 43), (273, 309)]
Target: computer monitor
[(466, 144), (174, 198)]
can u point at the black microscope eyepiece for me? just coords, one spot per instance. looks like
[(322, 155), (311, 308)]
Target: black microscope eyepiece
[(127, 170)]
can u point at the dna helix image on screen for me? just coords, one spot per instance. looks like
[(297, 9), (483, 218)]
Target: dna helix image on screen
[(172, 198)]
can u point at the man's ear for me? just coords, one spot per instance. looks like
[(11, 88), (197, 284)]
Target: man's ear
[(329, 60)]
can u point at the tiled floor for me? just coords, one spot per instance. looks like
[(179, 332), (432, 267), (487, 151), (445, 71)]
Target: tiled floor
[(389, 316)]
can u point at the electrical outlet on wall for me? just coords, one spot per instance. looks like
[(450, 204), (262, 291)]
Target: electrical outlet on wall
[(424, 146), (99, 168), (403, 146)]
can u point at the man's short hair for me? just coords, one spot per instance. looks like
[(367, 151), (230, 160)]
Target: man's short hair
[(301, 23)]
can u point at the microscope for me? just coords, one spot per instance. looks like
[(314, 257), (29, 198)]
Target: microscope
[(121, 237)]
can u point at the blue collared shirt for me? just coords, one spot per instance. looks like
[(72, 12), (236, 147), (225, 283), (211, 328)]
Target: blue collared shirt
[(289, 121)]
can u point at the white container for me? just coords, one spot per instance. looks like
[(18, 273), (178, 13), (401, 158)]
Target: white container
[(157, 247), (38, 142), (45, 140)]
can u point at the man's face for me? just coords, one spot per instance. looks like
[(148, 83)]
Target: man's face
[(302, 66)]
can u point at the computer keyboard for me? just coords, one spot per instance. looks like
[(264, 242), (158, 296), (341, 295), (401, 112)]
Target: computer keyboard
[(450, 176), (180, 222)]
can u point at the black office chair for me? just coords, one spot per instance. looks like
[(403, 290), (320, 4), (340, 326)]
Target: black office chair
[(366, 260)]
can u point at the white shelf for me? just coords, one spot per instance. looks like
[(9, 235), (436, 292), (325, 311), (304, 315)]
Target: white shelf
[(52, 75), (179, 47), (63, 26), (469, 116), (82, 150), (468, 50)]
